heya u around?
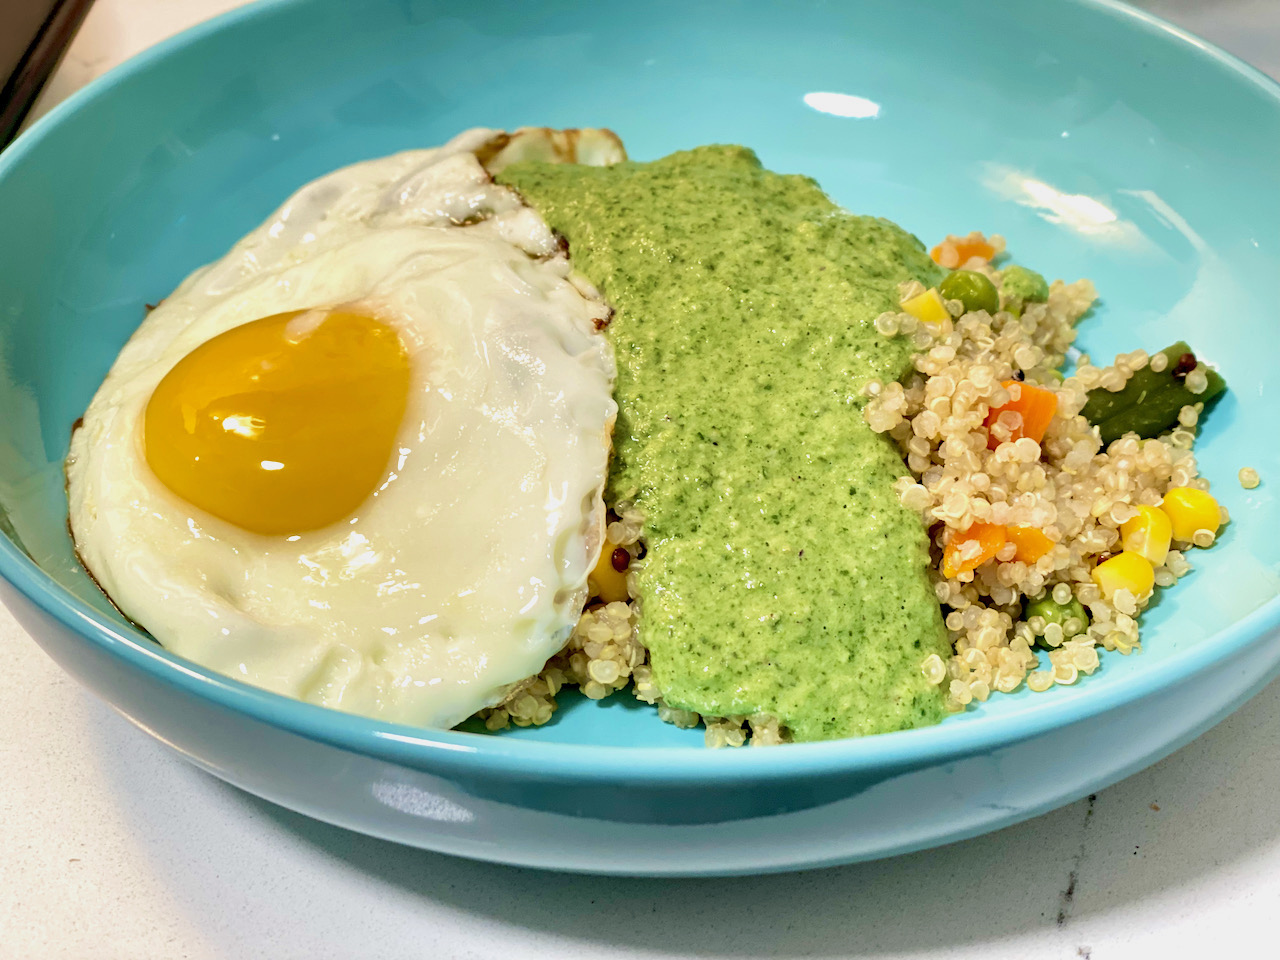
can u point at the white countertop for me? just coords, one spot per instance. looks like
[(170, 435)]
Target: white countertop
[(112, 847)]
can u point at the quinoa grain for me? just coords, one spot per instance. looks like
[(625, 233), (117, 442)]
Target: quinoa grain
[(1067, 486)]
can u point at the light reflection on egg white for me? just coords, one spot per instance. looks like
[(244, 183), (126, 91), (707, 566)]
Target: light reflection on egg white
[(391, 587), (359, 562), (351, 543), (842, 105), (557, 497)]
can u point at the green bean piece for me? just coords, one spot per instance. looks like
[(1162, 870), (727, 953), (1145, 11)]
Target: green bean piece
[(1149, 403), (1054, 612), (971, 288)]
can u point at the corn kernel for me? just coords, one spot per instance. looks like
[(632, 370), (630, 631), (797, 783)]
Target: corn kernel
[(1125, 571), (1190, 510), (927, 306), (1148, 534), (605, 581)]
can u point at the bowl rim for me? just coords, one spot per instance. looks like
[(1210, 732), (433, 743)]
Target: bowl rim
[(664, 765)]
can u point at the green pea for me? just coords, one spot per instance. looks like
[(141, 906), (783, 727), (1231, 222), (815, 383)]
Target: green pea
[(1020, 285), (1054, 612), (971, 288)]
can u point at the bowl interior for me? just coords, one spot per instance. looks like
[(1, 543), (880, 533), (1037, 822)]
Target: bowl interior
[(1100, 143)]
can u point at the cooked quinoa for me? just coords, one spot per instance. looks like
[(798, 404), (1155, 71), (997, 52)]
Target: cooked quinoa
[(604, 655), (1069, 486)]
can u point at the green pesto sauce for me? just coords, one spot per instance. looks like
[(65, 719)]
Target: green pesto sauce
[(782, 575)]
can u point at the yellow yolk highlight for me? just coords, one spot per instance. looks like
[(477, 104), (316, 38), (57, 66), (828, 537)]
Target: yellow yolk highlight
[(283, 424)]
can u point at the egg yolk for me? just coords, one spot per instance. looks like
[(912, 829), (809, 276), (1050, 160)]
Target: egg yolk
[(283, 424)]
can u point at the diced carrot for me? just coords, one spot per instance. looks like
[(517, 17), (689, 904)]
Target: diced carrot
[(972, 548), (1031, 543), (1036, 405), (974, 248), (965, 248)]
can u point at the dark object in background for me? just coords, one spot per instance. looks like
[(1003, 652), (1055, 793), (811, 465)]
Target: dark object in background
[(34, 34)]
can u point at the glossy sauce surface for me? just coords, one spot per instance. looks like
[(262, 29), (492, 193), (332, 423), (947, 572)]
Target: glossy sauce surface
[(783, 576)]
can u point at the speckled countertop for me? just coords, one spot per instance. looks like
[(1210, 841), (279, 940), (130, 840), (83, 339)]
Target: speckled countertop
[(112, 847)]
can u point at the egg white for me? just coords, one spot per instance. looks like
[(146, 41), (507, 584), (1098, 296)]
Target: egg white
[(467, 568)]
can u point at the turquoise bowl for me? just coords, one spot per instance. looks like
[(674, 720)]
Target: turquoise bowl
[(1100, 141)]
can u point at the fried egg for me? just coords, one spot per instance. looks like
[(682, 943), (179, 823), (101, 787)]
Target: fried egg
[(359, 460)]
